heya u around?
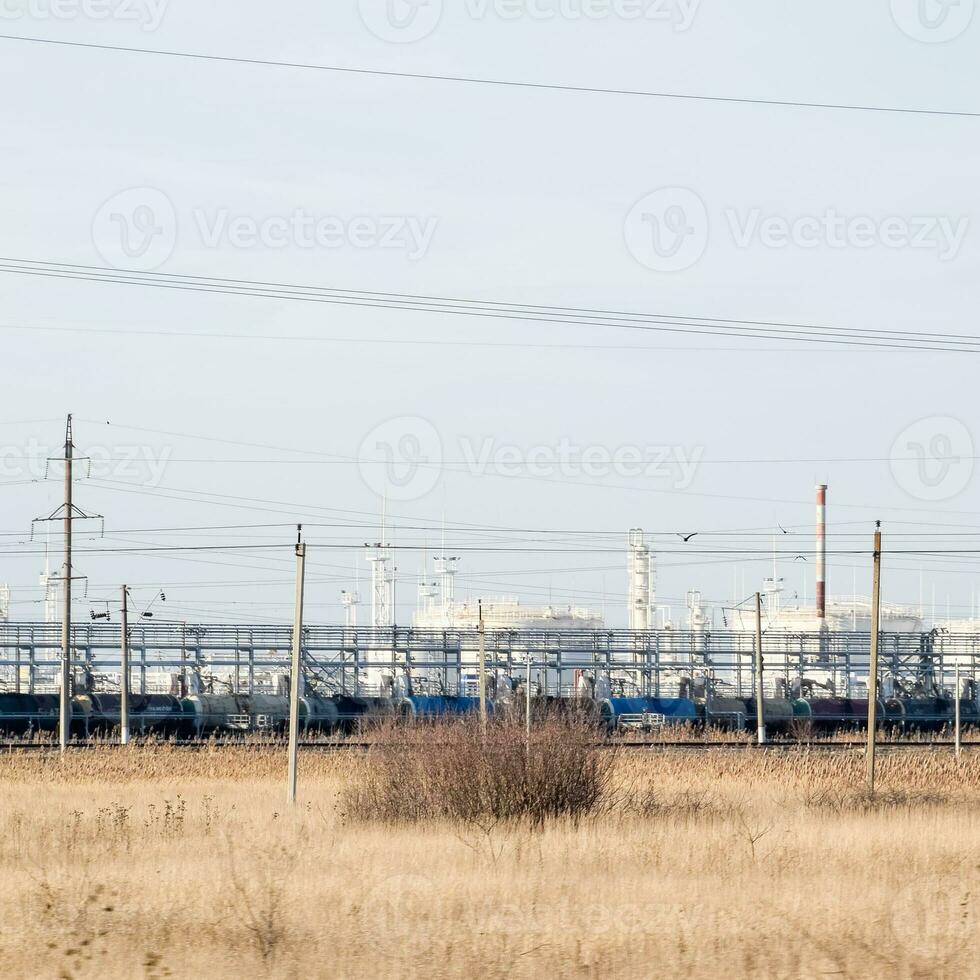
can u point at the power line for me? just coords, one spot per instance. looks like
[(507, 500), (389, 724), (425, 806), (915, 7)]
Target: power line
[(506, 83), (509, 549), (571, 316)]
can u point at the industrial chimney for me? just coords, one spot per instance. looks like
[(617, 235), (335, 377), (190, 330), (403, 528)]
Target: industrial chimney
[(822, 553)]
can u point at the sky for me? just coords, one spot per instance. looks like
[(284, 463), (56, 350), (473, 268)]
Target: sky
[(206, 414)]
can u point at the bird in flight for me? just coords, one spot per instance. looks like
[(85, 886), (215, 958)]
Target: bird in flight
[(687, 537)]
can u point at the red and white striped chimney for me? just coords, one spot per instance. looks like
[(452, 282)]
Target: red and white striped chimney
[(821, 553)]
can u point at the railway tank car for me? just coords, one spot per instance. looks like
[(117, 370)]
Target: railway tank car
[(777, 714), (158, 714), (617, 713), (723, 712), (827, 714), (210, 713), (438, 706), (24, 714), (910, 715)]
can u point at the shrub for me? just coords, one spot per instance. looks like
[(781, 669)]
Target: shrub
[(453, 770)]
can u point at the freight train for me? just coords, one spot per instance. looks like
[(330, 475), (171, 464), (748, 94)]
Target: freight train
[(204, 715), (168, 715)]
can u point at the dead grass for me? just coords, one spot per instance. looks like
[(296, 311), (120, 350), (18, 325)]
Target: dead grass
[(162, 862), (457, 772)]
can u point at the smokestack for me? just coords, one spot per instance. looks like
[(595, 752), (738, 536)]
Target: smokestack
[(821, 553)]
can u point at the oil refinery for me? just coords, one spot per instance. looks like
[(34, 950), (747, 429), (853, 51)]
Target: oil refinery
[(194, 679)]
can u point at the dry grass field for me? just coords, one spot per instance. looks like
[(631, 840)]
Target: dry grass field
[(162, 862)]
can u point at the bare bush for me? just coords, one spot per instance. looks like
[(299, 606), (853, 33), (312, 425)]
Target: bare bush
[(456, 771)]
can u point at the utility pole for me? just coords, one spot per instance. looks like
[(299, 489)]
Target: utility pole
[(65, 699), (483, 669), (760, 717), (296, 665), (956, 713), (873, 664), (124, 671), (66, 513), (527, 699)]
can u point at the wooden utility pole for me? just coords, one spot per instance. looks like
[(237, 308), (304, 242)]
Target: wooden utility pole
[(124, 671), (873, 662), (483, 669), (296, 667), (65, 696), (760, 717)]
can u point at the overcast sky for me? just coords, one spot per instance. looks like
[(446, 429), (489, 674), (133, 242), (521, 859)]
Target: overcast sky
[(840, 217)]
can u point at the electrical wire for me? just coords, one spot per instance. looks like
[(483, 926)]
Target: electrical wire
[(473, 80), (567, 316)]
